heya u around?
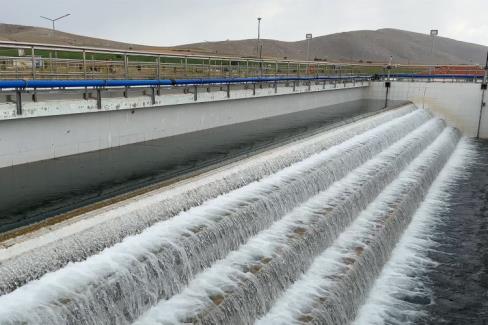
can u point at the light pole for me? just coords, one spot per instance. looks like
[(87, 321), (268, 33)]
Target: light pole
[(53, 20), (433, 34), (259, 38), (259, 47), (308, 37)]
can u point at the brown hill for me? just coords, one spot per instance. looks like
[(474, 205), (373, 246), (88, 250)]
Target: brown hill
[(363, 45), (355, 46), (30, 34)]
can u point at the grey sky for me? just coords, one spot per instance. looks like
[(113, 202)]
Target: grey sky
[(164, 22)]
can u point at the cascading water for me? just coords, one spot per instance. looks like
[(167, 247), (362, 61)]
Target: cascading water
[(288, 237), (53, 252), (128, 278), (345, 271), (274, 258), (402, 286)]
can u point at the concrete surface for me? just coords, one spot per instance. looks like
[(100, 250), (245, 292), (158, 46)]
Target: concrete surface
[(55, 129)]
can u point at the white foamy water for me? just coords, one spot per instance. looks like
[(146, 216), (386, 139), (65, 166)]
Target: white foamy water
[(247, 282), (337, 283), (31, 258), (401, 287), (123, 281)]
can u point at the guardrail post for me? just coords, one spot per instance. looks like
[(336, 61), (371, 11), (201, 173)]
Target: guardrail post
[(126, 66), (387, 86), (209, 67), (228, 90), (158, 75), (195, 93), (84, 64), (186, 66), (33, 63), (158, 67), (18, 101), (153, 96), (99, 98), (126, 73)]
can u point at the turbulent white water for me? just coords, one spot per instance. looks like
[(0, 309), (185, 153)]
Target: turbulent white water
[(401, 287), (50, 253), (299, 235), (127, 278), (283, 251), (345, 271)]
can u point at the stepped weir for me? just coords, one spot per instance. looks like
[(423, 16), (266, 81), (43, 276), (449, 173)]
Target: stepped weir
[(334, 228)]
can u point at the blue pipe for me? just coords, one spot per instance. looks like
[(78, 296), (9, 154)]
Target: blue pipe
[(23, 84), (432, 76)]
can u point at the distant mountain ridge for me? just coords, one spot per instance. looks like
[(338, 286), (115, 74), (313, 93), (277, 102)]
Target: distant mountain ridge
[(355, 46), (363, 45), (30, 34)]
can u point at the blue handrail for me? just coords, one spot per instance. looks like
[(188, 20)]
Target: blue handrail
[(23, 84)]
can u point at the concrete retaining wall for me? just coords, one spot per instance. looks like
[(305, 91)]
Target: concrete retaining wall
[(45, 136), (54, 129), (458, 103)]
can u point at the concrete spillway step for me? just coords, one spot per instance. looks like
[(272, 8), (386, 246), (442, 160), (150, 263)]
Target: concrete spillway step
[(31, 258), (277, 256), (401, 291), (308, 227), (346, 271)]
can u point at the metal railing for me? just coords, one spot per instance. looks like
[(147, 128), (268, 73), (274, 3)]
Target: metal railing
[(15, 90), (27, 68), (43, 61), (31, 61)]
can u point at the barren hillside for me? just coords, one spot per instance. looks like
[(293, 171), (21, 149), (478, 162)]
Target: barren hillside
[(355, 46)]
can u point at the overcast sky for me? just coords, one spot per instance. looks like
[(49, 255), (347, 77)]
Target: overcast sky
[(164, 22)]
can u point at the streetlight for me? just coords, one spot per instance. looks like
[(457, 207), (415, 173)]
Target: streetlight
[(433, 34), (308, 37), (259, 47), (53, 20)]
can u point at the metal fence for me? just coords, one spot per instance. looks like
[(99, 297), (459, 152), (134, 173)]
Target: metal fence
[(42, 61)]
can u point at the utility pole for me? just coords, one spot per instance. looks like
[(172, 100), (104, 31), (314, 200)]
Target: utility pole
[(53, 20), (308, 37), (259, 38), (259, 48), (433, 34)]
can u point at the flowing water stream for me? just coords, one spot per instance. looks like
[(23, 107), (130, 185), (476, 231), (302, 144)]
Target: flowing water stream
[(306, 233)]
